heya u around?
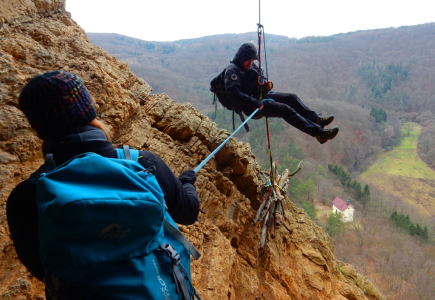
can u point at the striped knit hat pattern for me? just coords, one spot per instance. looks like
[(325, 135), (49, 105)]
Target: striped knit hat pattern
[(55, 102)]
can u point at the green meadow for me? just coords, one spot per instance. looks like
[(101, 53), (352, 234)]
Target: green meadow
[(404, 160), (402, 173)]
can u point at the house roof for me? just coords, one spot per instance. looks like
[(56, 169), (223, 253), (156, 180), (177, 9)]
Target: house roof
[(341, 204)]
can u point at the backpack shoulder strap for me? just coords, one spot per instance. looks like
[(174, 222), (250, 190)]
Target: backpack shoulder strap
[(181, 238), (49, 162), (126, 152)]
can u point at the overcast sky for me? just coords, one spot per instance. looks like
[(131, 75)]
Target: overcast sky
[(170, 20)]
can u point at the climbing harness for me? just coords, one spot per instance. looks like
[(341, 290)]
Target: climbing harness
[(221, 145)]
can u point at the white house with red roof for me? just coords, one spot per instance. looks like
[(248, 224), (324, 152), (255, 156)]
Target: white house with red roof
[(343, 207)]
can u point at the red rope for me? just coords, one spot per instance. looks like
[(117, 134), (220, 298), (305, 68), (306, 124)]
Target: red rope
[(267, 127), (272, 182)]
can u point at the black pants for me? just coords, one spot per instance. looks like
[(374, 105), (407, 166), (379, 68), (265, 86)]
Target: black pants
[(290, 108)]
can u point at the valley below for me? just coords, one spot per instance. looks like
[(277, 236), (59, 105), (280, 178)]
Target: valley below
[(401, 173)]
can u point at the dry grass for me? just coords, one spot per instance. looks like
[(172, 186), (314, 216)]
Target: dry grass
[(369, 289)]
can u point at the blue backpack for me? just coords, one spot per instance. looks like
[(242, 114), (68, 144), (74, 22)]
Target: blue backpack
[(104, 232)]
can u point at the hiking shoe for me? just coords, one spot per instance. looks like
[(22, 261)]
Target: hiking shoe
[(324, 121), (328, 134)]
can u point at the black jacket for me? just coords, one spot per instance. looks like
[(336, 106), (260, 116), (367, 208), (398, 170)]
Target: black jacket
[(180, 196), (242, 85)]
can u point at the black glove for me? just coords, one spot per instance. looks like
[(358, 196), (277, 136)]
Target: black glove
[(258, 104), (188, 176)]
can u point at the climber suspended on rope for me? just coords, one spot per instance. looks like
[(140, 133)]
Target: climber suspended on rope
[(243, 87), (247, 87)]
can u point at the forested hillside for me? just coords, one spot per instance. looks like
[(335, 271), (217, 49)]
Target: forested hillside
[(390, 68), (374, 82), (426, 141)]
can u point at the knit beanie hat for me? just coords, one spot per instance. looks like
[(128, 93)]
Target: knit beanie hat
[(55, 102)]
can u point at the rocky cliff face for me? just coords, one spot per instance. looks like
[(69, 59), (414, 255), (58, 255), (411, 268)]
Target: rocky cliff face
[(39, 35)]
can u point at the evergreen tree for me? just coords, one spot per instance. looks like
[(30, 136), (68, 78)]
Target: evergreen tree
[(406, 222), (365, 195), (362, 195), (310, 209), (379, 114), (393, 216), (331, 168), (418, 230), (321, 171), (334, 224), (382, 81), (308, 188), (412, 230), (358, 190), (295, 189), (425, 234), (403, 223), (366, 191)]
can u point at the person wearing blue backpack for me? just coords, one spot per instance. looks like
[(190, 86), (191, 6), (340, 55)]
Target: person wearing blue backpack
[(95, 222)]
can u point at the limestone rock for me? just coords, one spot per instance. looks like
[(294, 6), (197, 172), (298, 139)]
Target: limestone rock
[(39, 36)]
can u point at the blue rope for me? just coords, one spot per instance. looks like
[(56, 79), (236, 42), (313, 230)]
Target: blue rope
[(221, 145)]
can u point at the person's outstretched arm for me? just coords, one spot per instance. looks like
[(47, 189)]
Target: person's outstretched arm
[(180, 193)]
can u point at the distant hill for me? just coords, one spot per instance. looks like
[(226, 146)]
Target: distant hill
[(390, 68), (183, 69)]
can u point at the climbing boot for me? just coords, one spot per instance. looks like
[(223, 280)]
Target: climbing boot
[(324, 121), (327, 134)]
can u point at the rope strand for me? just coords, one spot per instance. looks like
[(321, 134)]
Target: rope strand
[(261, 81)]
